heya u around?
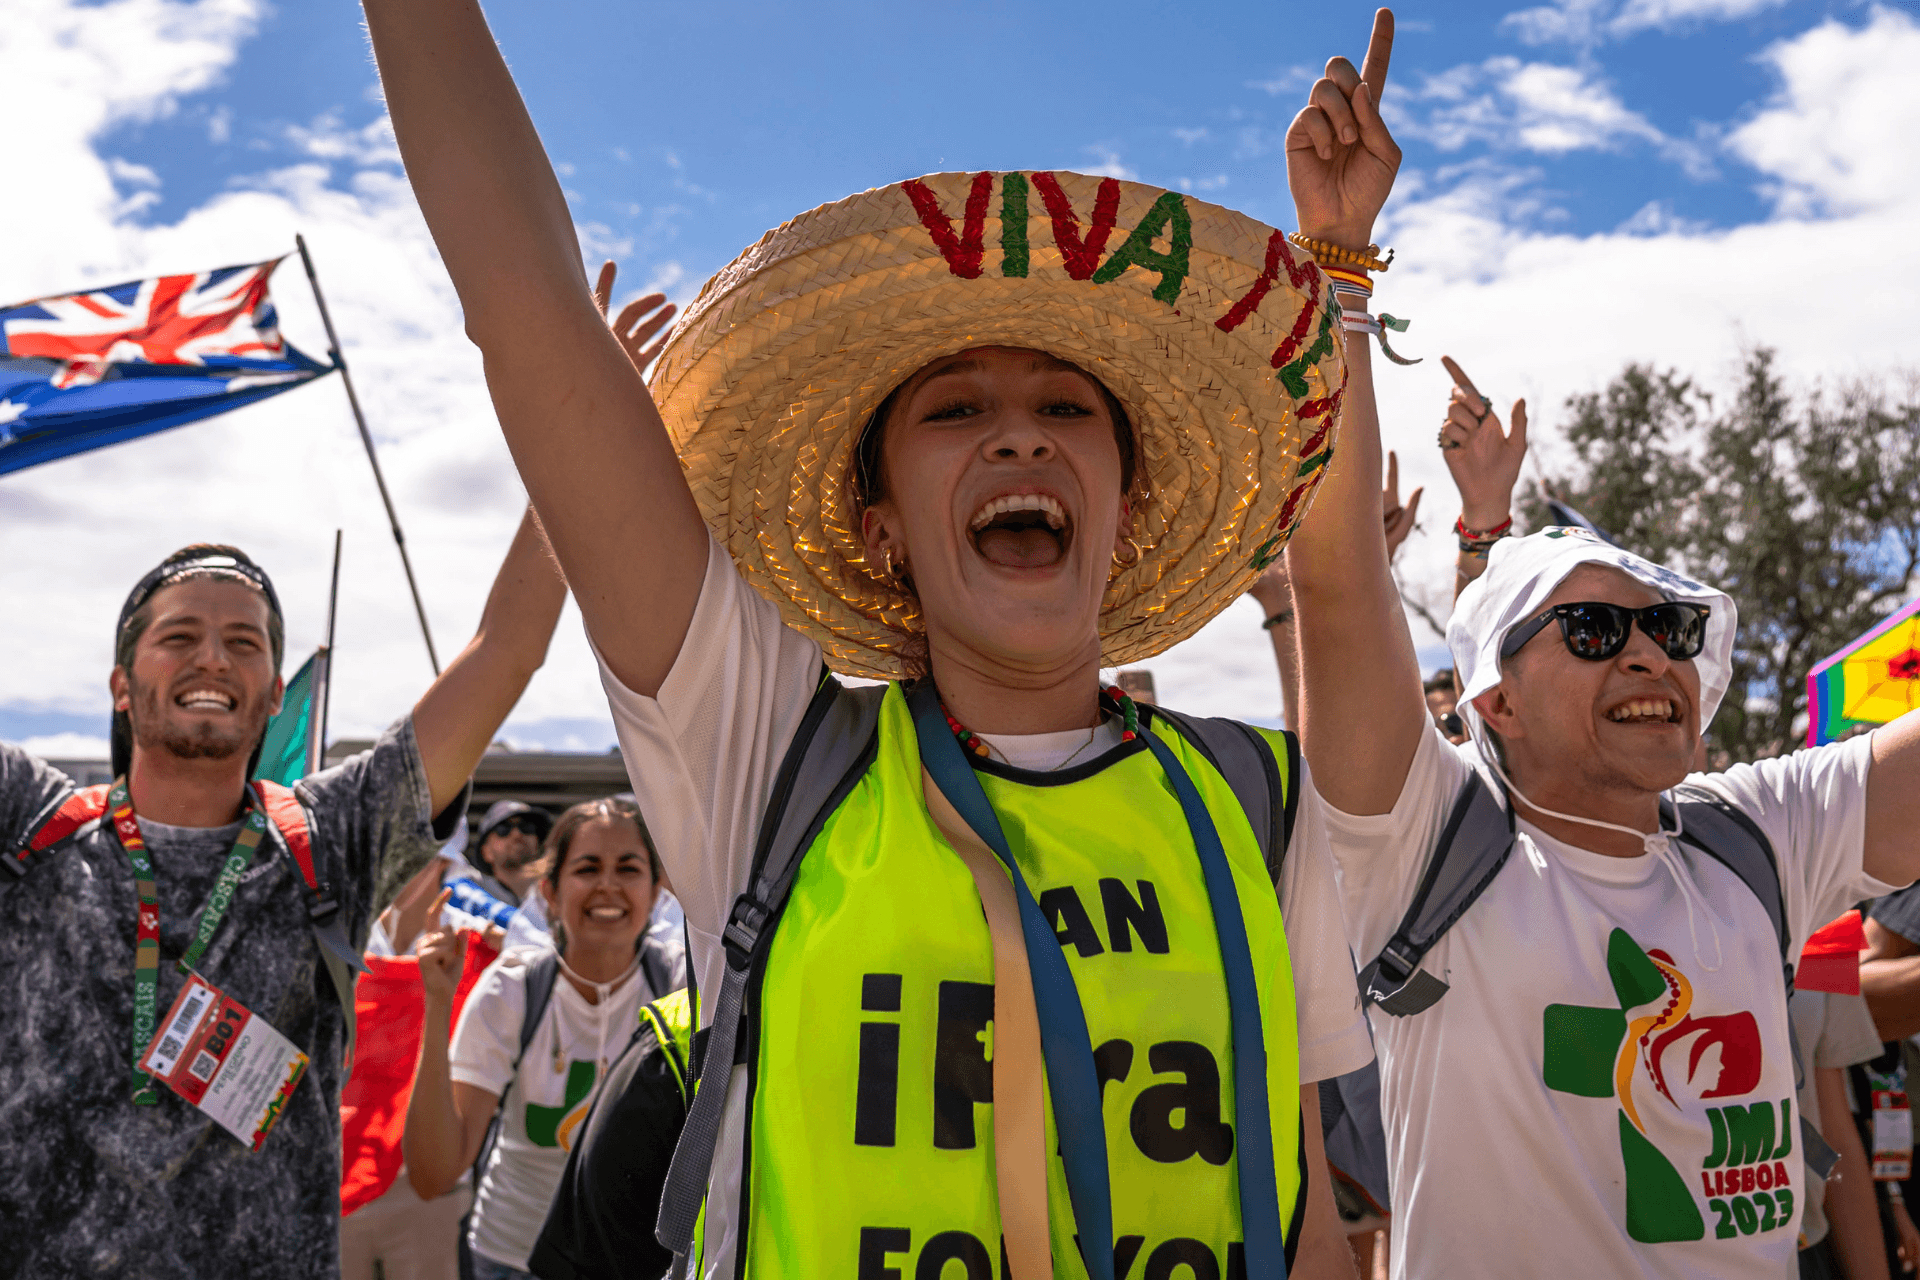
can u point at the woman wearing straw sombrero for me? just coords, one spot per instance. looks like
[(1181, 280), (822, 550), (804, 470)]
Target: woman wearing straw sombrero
[(994, 955)]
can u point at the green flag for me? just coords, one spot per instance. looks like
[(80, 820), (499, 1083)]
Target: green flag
[(287, 748)]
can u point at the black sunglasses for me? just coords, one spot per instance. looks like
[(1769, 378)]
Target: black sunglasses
[(1597, 631)]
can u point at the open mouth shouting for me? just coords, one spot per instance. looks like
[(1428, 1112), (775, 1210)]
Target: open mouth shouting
[(203, 698), (1646, 710), (1022, 530)]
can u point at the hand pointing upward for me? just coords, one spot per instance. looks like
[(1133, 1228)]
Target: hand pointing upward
[(1340, 157)]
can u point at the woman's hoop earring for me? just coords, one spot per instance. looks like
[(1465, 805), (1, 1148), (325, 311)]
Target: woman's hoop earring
[(896, 572), (1128, 564)]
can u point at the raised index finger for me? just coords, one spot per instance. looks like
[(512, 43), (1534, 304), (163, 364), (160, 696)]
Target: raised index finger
[(1461, 380), (1379, 53)]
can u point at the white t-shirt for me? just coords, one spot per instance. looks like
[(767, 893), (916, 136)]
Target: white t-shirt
[(545, 1100), (702, 756), (1507, 1141)]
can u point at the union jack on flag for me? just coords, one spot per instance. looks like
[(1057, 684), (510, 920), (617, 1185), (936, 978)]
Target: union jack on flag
[(83, 370)]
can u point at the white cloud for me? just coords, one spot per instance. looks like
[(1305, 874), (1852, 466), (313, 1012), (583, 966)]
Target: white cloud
[(66, 746), (1833, 139), (1107, 163), (1586, 22)]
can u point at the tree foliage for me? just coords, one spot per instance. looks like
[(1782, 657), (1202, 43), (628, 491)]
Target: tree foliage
[(1806, 510)]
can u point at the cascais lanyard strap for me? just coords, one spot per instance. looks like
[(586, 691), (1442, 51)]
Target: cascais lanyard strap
[(1065, 1041), (146, 946)]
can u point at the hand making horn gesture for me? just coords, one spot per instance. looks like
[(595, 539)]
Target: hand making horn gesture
[(1340, 157)]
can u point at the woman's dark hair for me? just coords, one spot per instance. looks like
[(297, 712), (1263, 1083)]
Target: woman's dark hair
[(869, 478), (560, 839), (606, 809)]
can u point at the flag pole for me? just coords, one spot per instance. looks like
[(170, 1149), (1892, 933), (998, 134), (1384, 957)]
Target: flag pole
[(366, 438), (323, 687)]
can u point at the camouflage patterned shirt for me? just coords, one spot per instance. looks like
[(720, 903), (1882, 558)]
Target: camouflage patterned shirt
[(92, 1185)]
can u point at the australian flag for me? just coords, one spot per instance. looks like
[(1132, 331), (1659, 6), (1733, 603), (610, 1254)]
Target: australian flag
[(84, 370)]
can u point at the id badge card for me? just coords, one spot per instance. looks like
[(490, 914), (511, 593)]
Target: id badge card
[(1892, 1135), (225, 1060)]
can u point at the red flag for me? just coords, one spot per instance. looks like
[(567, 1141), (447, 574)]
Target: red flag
[(389, 1011), (1831, 959)]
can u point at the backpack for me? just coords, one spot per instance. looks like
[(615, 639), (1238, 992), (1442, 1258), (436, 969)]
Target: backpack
[(831, 750), (75, 814), (1473, 847), (620, 1156)]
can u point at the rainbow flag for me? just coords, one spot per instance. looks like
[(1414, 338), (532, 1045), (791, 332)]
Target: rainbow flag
[(1874, 680)]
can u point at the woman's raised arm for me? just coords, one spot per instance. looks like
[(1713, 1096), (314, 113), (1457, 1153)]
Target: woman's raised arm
[(583, 430)]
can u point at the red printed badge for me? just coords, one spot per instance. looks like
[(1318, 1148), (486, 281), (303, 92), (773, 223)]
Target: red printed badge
[(225, 1060)]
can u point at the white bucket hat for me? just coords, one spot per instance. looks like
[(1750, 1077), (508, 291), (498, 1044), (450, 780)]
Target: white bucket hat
[(1523, 572)]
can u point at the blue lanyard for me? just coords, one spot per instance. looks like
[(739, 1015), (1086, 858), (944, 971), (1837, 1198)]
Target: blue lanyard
[(1066, 1045)]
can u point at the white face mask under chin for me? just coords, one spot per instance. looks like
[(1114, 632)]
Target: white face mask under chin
[(1660, 845)]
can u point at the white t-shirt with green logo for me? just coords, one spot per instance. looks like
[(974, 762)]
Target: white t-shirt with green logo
[(1607, 1088), (546, 1100)]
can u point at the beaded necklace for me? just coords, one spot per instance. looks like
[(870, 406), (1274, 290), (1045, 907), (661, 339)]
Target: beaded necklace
[(971, 742)]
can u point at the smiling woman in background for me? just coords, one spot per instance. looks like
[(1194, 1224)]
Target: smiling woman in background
[(530, 1049)]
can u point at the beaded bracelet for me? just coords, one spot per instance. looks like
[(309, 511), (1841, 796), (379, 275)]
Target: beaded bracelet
[(1494, 534), (1326, 252)]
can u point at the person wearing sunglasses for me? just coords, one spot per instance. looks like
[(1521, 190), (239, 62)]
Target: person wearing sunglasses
[(1600, 1032)]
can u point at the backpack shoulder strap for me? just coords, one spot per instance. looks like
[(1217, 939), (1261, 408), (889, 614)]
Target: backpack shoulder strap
[(1724, 832), (664, 968), (541, 975), (1473, 846), (60, 821), (832, 748), (1245, 758), (288, 817)]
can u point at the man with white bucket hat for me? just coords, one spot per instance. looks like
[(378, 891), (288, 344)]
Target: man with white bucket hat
[(1613, 1034)]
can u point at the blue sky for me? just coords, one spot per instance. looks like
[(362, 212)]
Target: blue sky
[(1585, 183), (689, 129)]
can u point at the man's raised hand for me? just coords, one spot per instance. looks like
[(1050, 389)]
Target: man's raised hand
[(1483, 457), (637, 322), (1341, 159)]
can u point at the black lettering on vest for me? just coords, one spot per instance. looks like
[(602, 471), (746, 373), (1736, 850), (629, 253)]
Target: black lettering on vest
[(1196, 1098), (1063, 908), (875, 1244), (1197, 1258), (962, 1076), (1143, 915), (1112, 1061), (954, 1246), (877, 1085), (1125, 1250), (1236, 1261), (880, 992)]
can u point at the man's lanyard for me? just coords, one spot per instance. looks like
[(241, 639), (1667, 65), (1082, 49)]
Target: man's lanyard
[(146, 945), (1065, 1041)]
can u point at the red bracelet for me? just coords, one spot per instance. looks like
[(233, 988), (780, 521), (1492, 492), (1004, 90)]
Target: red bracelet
[(1494, 534)]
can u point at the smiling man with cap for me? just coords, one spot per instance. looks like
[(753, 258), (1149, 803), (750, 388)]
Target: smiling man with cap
[(185, 876), (1574, 946)]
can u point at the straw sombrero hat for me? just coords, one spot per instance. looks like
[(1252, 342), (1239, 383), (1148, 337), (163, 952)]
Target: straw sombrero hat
[(1219, 338)]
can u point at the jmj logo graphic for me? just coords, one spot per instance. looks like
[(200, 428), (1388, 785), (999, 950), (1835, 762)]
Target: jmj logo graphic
[(1599, 1052)]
